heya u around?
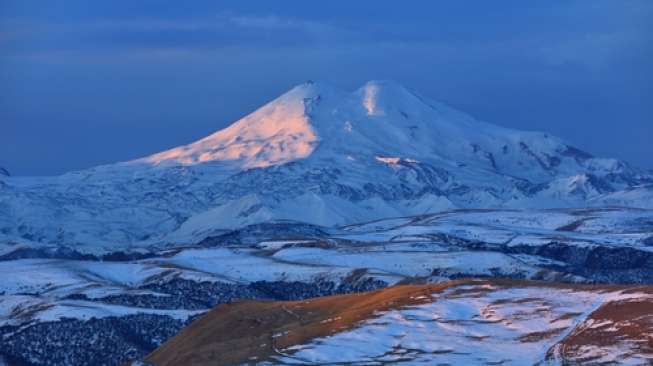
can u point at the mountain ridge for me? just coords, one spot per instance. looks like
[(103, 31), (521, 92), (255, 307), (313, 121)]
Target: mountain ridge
[(317, 155), (292, 115), (384, 118)]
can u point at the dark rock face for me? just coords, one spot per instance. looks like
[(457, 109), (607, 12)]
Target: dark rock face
[(4, 171)]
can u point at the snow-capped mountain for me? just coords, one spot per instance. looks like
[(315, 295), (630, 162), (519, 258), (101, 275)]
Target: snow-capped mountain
[(318, 155)]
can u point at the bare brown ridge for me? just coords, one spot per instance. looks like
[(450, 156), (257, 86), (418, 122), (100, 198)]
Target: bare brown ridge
[(617, 329), (250, 331), (254, 330)]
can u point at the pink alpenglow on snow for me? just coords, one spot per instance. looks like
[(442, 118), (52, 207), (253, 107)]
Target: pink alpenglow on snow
[(277, 133)]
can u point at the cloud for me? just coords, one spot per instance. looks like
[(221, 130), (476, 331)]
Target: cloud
[(221, 30), (269, 22), (591, 35)]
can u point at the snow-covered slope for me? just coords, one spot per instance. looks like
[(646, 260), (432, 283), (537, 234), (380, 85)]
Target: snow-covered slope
[(484, 324), (453, 323), (319, 155), (277, 133)]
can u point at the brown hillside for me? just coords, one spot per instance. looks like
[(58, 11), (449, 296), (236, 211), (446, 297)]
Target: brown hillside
[(255, 330), (236, 333)]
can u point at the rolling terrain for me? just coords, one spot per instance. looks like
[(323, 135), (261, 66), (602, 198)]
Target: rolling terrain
[(472, 322), (323, 192), (134, 305)]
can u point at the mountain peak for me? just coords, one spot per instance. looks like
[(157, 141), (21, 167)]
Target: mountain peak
[(377, 95), (401, 154), (386, 85), (274, 134), (307, 89), (380, 119)]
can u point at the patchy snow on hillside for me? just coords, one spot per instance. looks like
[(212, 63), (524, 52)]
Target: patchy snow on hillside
[(470, 325)]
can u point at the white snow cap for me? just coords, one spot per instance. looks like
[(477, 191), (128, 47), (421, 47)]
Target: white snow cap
[(276, 133), (381, 118)]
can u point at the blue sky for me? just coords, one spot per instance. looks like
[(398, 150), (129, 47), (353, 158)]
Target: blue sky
[(84, 83)]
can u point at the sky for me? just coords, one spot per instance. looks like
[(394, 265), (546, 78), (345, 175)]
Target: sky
[(84, 83)]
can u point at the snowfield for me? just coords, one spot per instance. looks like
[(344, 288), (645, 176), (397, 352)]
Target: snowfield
[(485, 325)]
